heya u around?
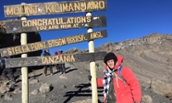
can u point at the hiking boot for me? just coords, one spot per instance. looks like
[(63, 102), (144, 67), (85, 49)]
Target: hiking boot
[(45, 74), (52, 74)]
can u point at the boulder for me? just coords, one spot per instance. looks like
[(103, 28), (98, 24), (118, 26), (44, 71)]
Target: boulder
[(147, 99), (4, 88), (162, 88), (45, 88)]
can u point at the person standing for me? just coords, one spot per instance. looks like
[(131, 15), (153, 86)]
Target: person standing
[(62, 65), (46, 53), (119, 82), (7, 73), (56, 65)]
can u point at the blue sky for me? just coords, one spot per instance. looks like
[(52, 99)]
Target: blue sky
[(126, 19)]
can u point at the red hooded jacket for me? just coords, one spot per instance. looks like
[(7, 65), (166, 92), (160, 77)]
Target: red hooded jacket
[(125, 93)]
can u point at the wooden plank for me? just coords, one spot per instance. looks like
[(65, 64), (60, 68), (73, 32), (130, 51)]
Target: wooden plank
[(30, 47), (55, 8), (18, 26), (47, 60)]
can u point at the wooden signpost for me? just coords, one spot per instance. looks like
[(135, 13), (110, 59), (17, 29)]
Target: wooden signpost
[(18, 26), (54, 8), (47, 8), (10, 51), (47, 60)]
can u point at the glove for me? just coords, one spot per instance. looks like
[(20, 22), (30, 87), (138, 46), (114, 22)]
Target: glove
[(89, 77)]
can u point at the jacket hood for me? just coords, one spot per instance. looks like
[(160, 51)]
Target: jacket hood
[(119, 61)]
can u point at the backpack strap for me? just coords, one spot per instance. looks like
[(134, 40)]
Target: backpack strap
[(120, 74)]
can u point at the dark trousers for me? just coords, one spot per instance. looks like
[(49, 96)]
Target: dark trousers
[(57, 67), (46, 67), (62, 68), (7, 73)]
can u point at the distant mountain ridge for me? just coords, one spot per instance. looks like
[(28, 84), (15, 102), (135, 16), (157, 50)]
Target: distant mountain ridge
[(150, 58)]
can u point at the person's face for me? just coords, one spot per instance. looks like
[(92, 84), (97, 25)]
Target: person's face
[(111, 63)]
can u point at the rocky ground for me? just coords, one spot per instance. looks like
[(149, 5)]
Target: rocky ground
[(150, 58), (72, 87)]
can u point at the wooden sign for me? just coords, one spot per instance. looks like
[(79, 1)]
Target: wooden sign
[(47, 60), (18, 26), (52, 43), (55, 8)]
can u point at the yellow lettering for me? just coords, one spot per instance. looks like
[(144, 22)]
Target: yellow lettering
[(18, 10), (63, 41), (50, 22), (13, 50), (71, 7), (83, 6), (56, 8), (32, 46), (44, 60), (43, 27), (65, 26), (9, 51), (35, 9), (50, 43), (83, 19), (27, 48), (42, 45), (95, 5), (88, 19), (44, 21), (40, 22), (50, 27), (65, 7), (85, 38), (56, 59), (57, 21), (53, 21), (47, 8), (24, 23), (61, 7), (56, 42), (89, 5), (96, 35), (17, 50), (72, 59), (75, 25), (53, 7), (23, 48), (69, 20), (28, 9), (51, 59), (9, 11), (66, 58), (101, 4), (77, 6), (34, 22)]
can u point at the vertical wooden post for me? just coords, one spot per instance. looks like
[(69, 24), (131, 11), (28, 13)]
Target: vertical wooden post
[(24, 70), (92, 67)]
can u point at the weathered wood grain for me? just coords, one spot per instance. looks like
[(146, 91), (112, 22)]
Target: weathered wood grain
[(18, 26), (48, 8), (49, 60), (30, 47)]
